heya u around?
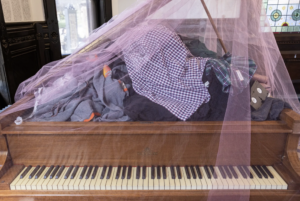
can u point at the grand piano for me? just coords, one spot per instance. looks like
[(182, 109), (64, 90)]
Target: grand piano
[(146, 160), (118, 161)]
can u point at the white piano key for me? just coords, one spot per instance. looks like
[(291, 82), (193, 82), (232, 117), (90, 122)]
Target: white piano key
[(255, 178), (185, 183), (160, 181), (37, 184), (25, 180), (151, 181), (74, 184), (212, 179), (172, 185), (135, 182), (130, 181), (177, 181), (238, 184), (146, 181), (235, 182), (125, 180), (49, 183), (221, 179), (17, 180), (30, 181), (262, 184), (278, 178), (266, 181), (214, 182), (156, 180), (109, 181), (67, 181), (167, 184), (251, 181), (58, 183), (241, 178), (88, 181), (271, 181), (201, 183), (208, 181), (231, 181), (119, 181), (198, 182), (82, 182), (97, 183)]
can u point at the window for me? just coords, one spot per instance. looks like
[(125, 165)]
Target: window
[(76, 21), (283, 15)]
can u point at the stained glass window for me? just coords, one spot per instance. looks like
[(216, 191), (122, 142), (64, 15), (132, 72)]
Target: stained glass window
[(283, 15)]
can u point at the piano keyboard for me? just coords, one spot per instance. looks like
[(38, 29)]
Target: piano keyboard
[(147, 178)]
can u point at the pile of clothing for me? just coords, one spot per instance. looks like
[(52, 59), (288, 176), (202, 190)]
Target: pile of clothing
[(161, 78)]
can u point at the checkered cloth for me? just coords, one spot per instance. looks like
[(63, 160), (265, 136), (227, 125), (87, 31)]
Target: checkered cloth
[(232, 71), (163, 70)]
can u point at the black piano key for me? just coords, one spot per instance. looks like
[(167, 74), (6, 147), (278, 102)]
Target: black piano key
[(60, 172), (40, 172), (172, 172), (144, 172), (129, 172), (118, 172), (268, 171), (233, 172), (248, 172), (207, 172), (212, 169), (54, 172), (158, 172), (48, 172), (69, 172), (74, 172), (187, 172), (109, 172), (262, 171), (103, 172), (34, 172), (83, 172), (95, 172), (138, 172), (25, 172), (88, 174), (222, 172), (178, 172), (227, 172), (256, 171), (242, 171), (198, 171), (164, 171), (124, 172), (193, 172), (152, 172)]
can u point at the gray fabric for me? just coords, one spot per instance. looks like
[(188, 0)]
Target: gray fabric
[(270, 110), (98, 95)]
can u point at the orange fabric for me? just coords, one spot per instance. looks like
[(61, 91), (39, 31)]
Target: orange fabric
[(92, 116)]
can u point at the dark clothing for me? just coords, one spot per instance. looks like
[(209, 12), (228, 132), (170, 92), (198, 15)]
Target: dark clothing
[(140, 108), (198, 49), (270, 110)]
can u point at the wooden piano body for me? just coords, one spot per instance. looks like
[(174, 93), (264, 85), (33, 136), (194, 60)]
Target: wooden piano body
[(273, 143)]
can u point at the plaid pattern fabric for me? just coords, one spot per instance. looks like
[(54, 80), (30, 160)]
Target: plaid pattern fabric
[(232, 71), (163, 70)]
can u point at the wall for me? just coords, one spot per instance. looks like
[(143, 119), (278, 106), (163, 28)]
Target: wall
[(194, 6), (23, 10), (120, 5)]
